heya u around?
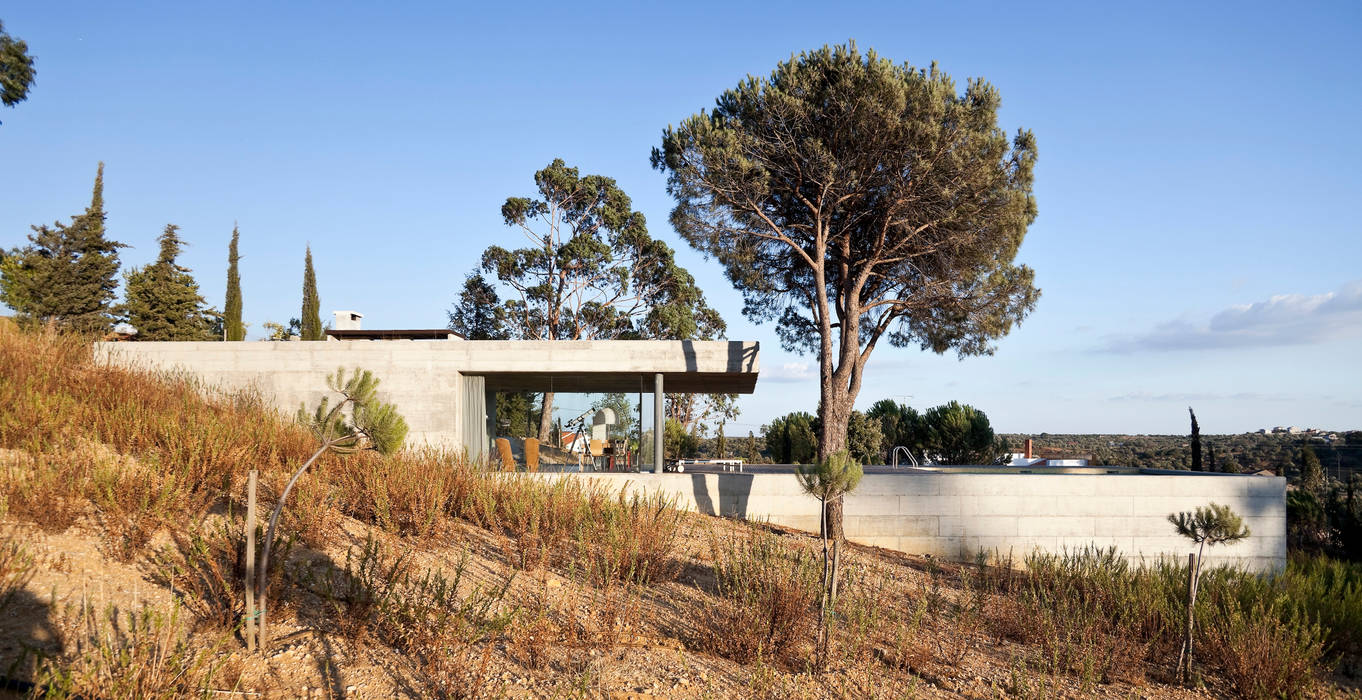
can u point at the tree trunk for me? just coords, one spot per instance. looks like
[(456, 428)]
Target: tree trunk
[(823, 591), (834, 414), (546, 419), (832, 596)]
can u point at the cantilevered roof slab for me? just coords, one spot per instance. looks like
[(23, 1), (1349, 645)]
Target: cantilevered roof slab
[(595, 366)]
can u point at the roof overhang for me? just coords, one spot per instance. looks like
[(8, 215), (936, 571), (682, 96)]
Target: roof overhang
[(599, 366)]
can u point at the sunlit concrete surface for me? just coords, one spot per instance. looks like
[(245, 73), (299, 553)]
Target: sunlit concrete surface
[(956, 515)]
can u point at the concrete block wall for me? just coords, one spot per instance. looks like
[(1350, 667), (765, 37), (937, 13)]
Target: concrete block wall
[(423, 385), (954, 516)]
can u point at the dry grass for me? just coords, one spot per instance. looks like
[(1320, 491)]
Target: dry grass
[(767, 600), (16, 569), (136, 654), (133, 453)]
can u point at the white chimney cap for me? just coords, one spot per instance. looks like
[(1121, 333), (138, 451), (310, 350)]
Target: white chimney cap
[(347, 320)]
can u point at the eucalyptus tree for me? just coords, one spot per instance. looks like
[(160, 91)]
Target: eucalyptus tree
[(854, 201), (589, 270)]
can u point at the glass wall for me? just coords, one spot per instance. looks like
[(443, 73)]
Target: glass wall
[(587, 431)]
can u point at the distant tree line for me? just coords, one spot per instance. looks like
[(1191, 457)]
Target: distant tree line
[(67, 276), (952, 433)]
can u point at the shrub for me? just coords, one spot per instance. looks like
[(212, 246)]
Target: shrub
[(48, 490), (137, 654), (444, 634), (768, 597), (1265, 650), (205, 566), (630, 539), (1266, 634)]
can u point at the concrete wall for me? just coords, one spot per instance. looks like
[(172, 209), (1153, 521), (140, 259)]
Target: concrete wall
[(423, 378), (424, 385), (953, 516)]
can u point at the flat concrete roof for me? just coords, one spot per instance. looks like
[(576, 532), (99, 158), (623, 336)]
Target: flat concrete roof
[(596, 366), (686, 366)]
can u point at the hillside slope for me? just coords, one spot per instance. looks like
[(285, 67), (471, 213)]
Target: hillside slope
[(418, 575)]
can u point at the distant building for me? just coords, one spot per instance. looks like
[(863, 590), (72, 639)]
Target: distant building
[(346, 326), (1047, 457)]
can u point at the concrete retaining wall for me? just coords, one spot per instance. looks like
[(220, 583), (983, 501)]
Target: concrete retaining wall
[(953, 516)]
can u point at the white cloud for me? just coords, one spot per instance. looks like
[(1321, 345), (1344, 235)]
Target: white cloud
[(790, 372), (1287, 319), (1188, 397)]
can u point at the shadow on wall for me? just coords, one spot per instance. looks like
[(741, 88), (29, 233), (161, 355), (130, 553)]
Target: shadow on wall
[(734, 492), (741, 357)]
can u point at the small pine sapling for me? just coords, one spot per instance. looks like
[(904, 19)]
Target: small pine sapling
[(1213, 525), (828, 480), (373, 425)]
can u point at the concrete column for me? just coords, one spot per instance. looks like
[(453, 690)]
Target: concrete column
[(490, 411), (659, 423)]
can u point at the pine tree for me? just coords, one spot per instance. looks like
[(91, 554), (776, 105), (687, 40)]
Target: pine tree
[(479, 314), (312, 320), (163, 301), (16, 69), (68, 272), (231, 307)]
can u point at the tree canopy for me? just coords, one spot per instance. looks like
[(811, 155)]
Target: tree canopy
[(856, 200), (864, 438), (68, 272), (163, 301), (960, 434), (900, 425), (478, 314), (16, 69), (790, 439), (589, 271)]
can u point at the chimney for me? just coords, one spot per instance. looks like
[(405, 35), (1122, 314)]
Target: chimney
[(346, 320), (1028, 448)]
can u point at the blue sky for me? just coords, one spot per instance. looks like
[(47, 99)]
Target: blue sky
[(1198, 241)]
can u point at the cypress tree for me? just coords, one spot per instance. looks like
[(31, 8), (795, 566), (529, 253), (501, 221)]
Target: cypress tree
[(311, 320), (231, 307), (68, 272), (163, 301), (1196, 442), (1312, 472)]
